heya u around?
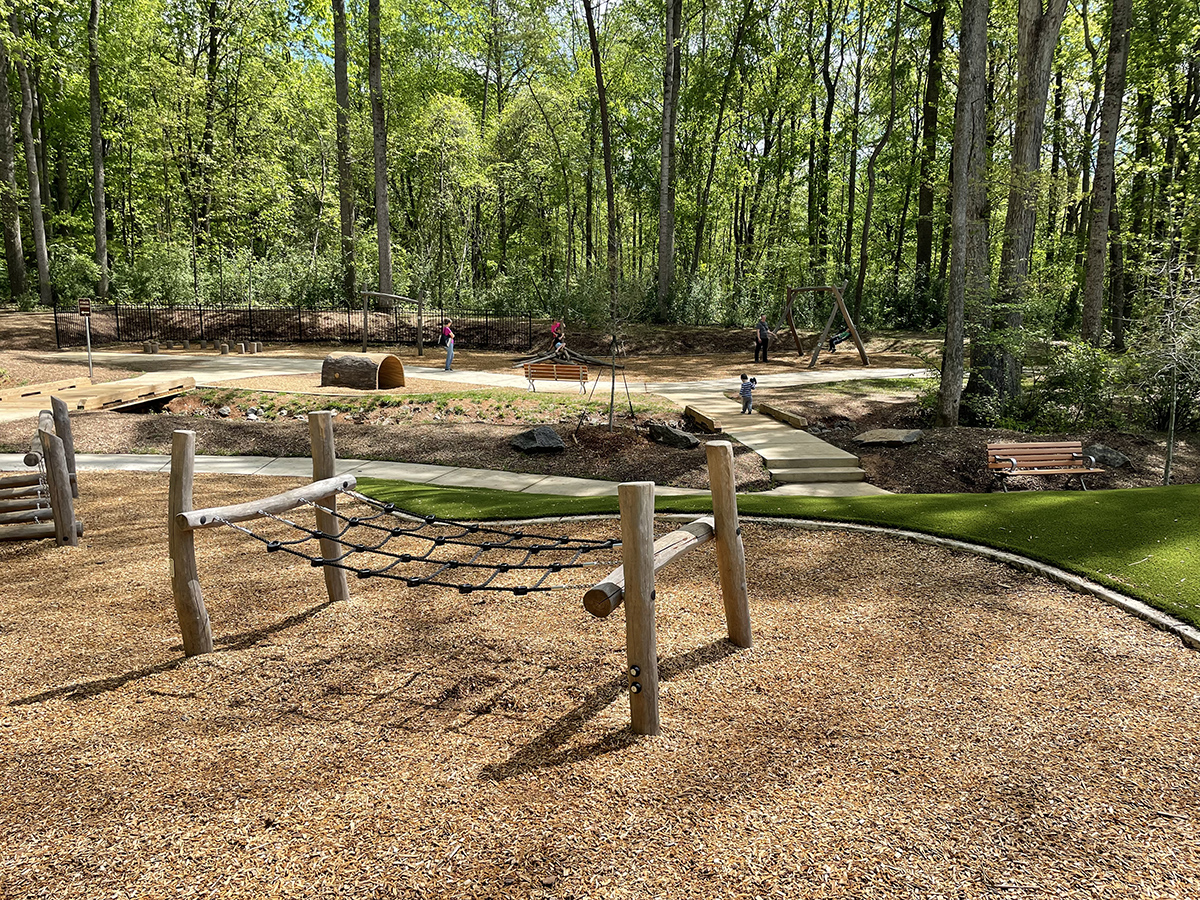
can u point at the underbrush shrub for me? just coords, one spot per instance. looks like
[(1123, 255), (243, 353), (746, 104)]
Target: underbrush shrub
[(1079, 388)]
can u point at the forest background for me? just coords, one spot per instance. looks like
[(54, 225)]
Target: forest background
[(1012, 171)]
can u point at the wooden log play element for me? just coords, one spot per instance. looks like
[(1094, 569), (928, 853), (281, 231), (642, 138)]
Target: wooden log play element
[(35, 501), (731, 555), (705, 422), (40, 514), (641, 636), (34, 532), (324, 459), (58, 479), (607, 595), (62, 427), (317, 492), (194, 624), (363, 371)]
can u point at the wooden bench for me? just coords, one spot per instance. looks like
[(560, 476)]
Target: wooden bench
[(552, 371), (1048, 458)]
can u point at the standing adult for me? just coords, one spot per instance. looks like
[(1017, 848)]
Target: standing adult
[(762, 338), (448, 341)]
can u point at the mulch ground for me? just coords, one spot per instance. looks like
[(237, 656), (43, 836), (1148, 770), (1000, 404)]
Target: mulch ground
[(910, 722)]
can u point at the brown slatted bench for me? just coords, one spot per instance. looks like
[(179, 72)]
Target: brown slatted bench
[(551, 371), (1047, 458)]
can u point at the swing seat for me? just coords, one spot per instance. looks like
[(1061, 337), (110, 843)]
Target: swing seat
[(552, 371)]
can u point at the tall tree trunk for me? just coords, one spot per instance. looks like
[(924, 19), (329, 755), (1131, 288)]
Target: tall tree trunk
[(666, 217), (614, 259), (830, 80), (998, 369), (860, 48), (1102, 185), (1056, 155), (968, 281), (706, 185), (383, 220), (880, 144), (345, 176), (14, 251), (31, 167), (923, 260), (1116, 279), (99, 212)]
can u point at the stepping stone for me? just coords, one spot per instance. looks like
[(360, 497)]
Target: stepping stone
[(890, 437)]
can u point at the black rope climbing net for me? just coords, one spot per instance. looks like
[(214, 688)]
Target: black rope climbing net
[(464, 556)]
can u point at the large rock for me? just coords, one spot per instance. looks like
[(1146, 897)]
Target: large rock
[(1106, 456), (542, 439), (890, 437), (673, 437)]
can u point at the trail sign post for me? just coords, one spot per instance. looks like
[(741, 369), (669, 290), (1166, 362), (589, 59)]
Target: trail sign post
[(85, 310)]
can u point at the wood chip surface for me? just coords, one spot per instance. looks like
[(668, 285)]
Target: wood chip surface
[(909, 723)]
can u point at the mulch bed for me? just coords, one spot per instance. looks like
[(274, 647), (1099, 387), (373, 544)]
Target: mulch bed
[(910, 722)]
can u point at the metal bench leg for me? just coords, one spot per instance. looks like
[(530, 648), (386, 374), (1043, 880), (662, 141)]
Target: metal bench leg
[(532, 386)]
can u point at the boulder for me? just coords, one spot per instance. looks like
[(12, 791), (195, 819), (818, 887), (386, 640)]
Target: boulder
[(224, 412), (1106, 456), (542, 439), (673, 437), (890, 437)]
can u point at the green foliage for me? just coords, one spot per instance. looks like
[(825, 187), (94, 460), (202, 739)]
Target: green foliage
[(1078, 388), (72, 273)]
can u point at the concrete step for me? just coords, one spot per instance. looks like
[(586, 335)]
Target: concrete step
[(816, 476), (815, 461)]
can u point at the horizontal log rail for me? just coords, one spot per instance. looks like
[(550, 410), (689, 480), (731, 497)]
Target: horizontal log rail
[(606, 595), (256, 509)]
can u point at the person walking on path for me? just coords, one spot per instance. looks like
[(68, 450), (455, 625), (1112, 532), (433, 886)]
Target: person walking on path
[(762, 338), (448, 342), (747, 393)]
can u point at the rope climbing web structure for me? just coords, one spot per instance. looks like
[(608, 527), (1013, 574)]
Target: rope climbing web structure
[(439, 550)]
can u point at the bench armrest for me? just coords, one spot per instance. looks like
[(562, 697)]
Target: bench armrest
[(1091, 460), (1012, 462)]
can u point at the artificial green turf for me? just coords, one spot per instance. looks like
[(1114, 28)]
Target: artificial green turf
[(1143, 542)]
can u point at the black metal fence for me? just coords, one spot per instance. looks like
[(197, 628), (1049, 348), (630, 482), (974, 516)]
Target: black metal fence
[(137, 322)]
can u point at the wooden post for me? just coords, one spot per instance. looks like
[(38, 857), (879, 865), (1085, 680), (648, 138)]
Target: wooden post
[(59, 481), (824, 336), (862, 351), (320, 430), (641, 636), (731, 555), (62, 427), (185, 577)]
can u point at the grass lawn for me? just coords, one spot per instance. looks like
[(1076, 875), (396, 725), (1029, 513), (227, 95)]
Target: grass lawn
[(1143, 542)]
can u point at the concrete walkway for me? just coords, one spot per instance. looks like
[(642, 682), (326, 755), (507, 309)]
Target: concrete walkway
[(365, 468), (799, 462)]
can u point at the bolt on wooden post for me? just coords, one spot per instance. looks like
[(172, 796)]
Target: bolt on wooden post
[(641, 635), (731, 555), (324, 458)]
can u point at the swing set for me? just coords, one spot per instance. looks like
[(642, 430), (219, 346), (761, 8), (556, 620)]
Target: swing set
[(850, 332)]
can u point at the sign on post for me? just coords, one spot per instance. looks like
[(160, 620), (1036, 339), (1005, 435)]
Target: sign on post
[(85, 310)]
